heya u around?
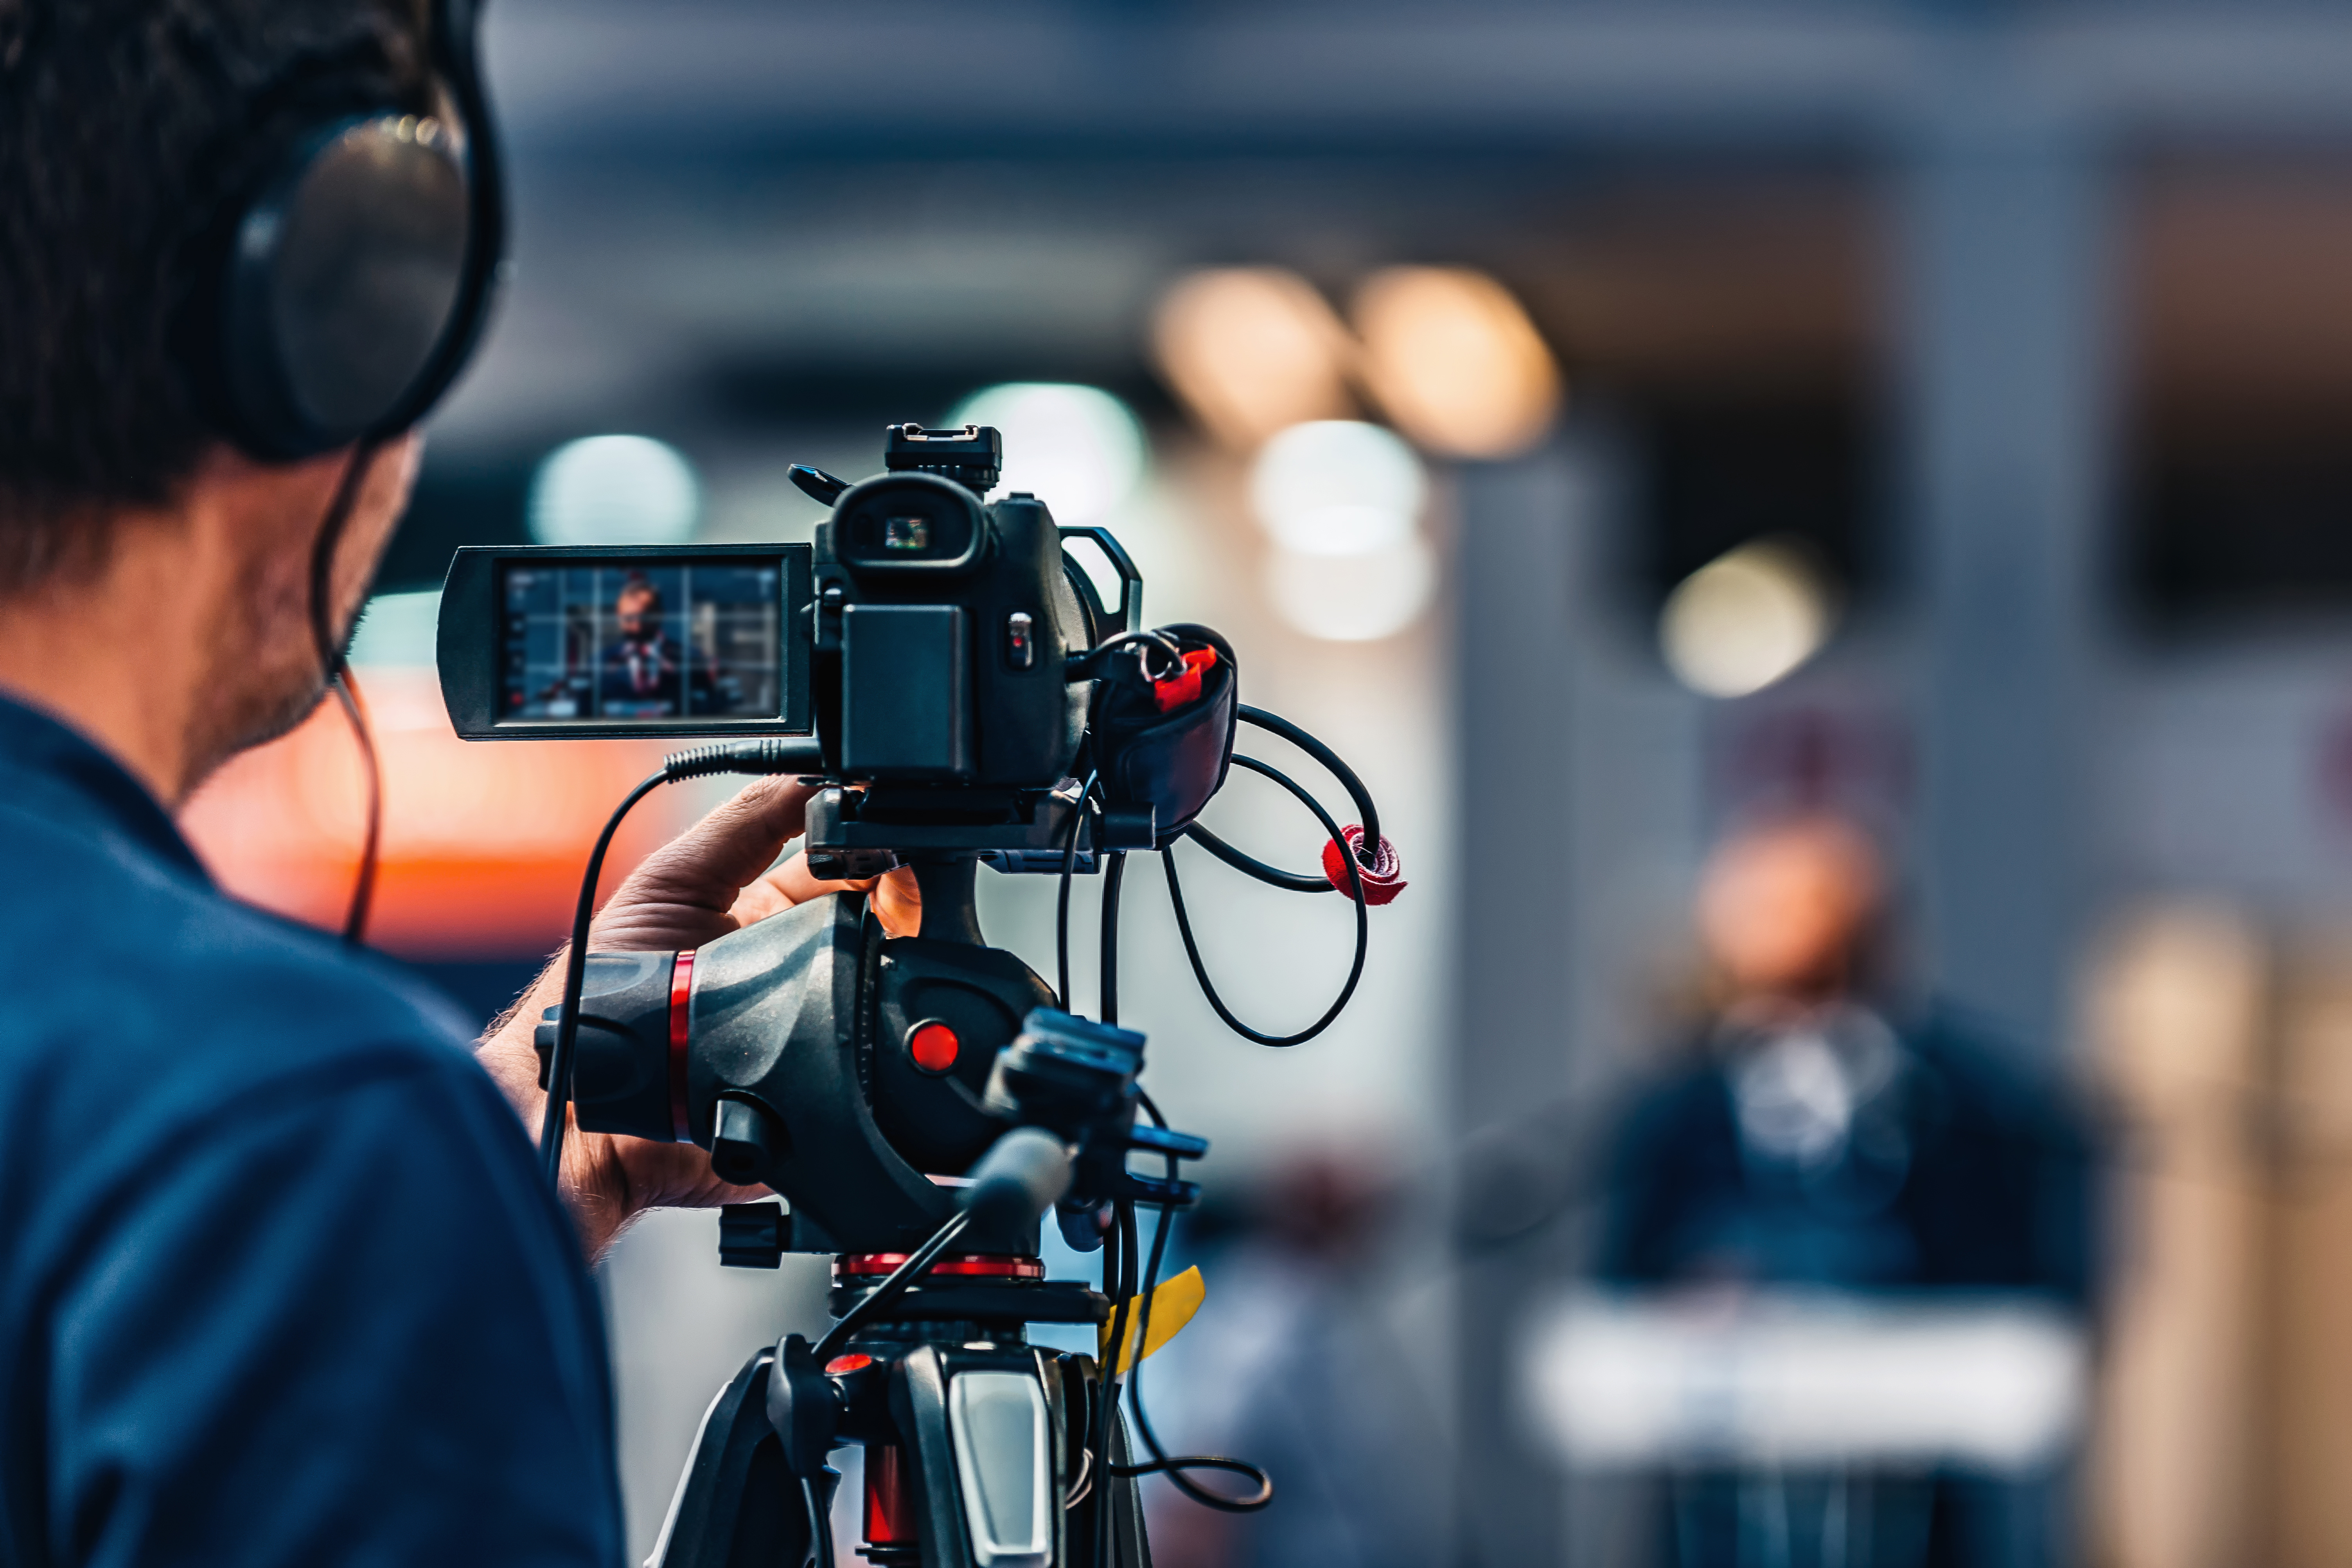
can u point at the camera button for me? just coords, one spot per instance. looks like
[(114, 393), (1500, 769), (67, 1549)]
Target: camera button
[(934, 1047)]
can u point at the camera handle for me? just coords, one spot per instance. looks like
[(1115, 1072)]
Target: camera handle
[(1130, 580)]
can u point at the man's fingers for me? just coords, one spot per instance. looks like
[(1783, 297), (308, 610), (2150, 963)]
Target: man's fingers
[(786, 885), (898, 902), (682, 893), (797, 884)]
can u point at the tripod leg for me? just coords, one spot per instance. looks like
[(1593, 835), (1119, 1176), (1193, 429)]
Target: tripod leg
[(1128, 1546), (1081, 1382), (735, 1506)]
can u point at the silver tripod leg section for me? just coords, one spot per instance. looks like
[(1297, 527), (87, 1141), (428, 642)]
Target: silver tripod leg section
[(1004, 1466)]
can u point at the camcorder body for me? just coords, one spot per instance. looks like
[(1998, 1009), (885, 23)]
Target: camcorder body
[(951, 675)]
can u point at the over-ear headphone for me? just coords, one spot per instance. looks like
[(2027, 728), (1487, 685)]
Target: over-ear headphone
[(359, 274)]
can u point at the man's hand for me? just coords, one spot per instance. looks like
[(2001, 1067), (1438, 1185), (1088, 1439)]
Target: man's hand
[(718, 876)]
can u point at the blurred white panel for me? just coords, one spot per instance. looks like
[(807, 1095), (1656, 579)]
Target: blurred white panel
[(1779, 1379), (1356, 597)]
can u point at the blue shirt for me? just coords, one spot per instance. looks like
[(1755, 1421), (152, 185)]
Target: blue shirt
[(279, 1281)]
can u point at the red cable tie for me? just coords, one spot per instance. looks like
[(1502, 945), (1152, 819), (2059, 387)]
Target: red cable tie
[(1383, 879)]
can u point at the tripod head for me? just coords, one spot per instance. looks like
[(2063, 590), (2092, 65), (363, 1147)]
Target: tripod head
[(815, 1054)]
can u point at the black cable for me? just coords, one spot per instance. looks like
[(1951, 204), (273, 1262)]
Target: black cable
[(1355, 888), (334, 669), (820, 1526), (338, 517), (575, 976), (1139, 641), (1114, 873), (1118, 1272), (355, 918), (1368, 851), (1250, 865), (775, 755), (1162, 1462), (885, 1295), (1062, 909), (1275, 723)]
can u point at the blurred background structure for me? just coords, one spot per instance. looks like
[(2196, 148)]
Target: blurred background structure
[(1606, 423)]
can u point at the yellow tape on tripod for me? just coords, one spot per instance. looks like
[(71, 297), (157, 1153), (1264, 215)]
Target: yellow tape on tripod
[(1172, 1306)]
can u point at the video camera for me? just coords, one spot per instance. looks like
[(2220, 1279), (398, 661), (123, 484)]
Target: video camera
[(951, 679), (953, 661)]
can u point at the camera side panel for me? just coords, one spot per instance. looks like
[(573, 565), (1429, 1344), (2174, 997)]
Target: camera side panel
[(905, 705)]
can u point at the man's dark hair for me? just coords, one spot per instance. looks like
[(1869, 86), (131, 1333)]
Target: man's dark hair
[(130, 134)]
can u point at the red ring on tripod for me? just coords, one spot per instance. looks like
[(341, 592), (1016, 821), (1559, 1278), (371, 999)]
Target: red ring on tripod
[(681, 993), (967, 1264)]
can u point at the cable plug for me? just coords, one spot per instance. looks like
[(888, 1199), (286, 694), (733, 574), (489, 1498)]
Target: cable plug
[(1383, 871), (768, 754)]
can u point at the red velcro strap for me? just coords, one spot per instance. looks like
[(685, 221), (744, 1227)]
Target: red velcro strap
[(1383, 879), (1178, 689), (681, 1038)]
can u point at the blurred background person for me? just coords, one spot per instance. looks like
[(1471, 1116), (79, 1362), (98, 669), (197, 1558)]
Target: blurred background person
[(1816, 1134), (1818, 1131)]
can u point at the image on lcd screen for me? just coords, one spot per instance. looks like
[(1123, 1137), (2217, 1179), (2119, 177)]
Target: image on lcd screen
[(643, 641)]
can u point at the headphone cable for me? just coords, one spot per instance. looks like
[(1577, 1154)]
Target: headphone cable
[(336, 668)]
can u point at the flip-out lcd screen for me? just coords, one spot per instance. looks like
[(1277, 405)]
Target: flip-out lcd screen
[(641, 640)]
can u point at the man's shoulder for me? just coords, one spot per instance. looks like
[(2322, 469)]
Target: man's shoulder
[(116, 964)]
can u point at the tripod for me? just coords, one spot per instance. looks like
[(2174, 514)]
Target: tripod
[(976, 1451), (981, 1450)]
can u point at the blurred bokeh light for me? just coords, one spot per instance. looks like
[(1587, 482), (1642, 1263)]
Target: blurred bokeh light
[(1336, 487), (1079, 447), (1745, 620), (1342, 501), (1450, 355), (615, 489), (1252, 350)]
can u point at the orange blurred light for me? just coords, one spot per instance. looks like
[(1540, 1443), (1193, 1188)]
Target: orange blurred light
[(1252, 350), (1454, 361), (483, 843)]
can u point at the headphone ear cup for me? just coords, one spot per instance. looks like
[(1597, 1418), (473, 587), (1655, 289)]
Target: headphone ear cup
[(341, 281)]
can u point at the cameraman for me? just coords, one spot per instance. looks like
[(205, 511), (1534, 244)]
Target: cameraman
[(279, 1281)]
